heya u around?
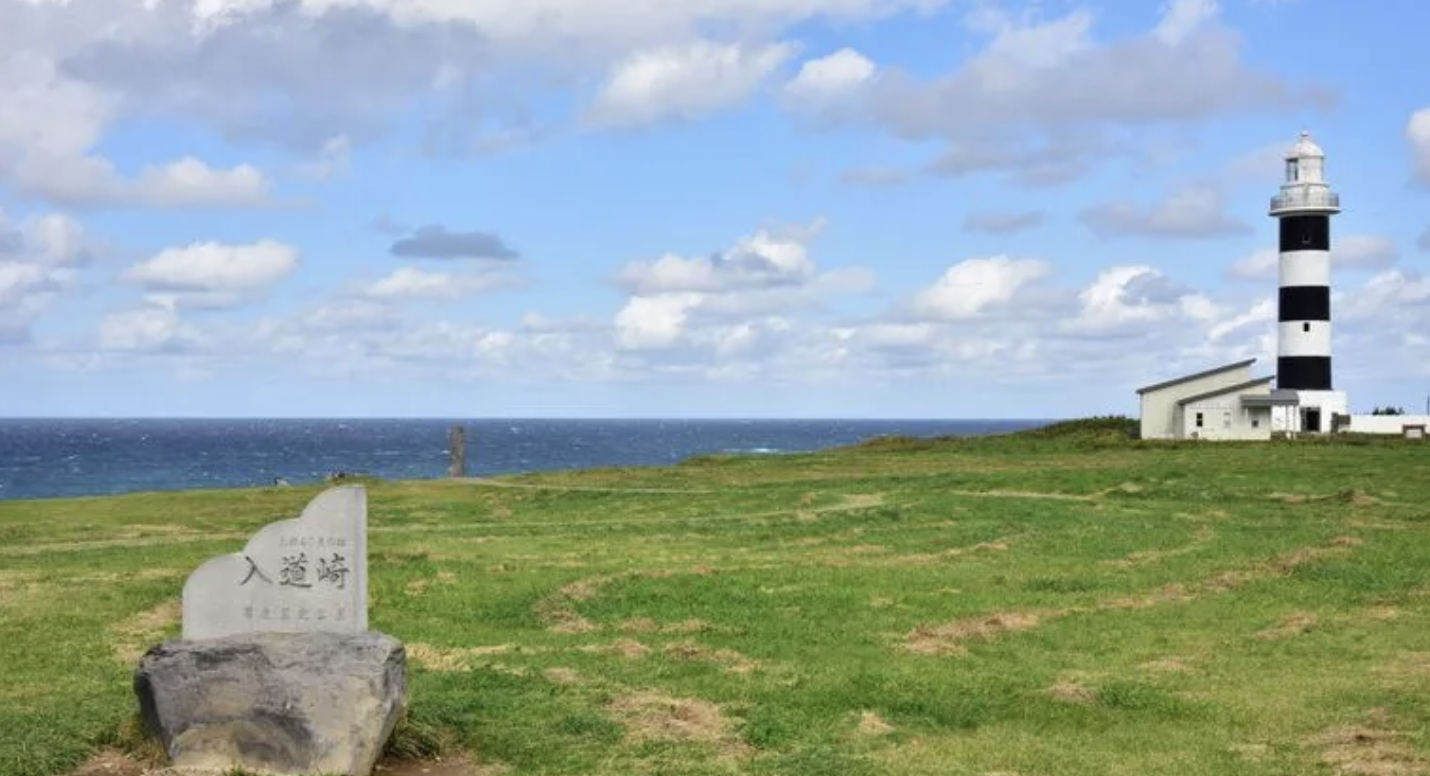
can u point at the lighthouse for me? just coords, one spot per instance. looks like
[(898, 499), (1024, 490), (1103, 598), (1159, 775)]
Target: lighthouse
[(1303, 208)]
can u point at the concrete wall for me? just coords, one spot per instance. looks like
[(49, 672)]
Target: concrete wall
[(1385, 424), (1224, 418), (1329, 402), (1159, 408)]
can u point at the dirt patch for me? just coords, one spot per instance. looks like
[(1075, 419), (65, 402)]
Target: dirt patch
[(461, 765), (926, 558), (584, 589), (626, 648), (559, 614), (111, 762), (103, 544), (1200, 540), (1290, 627), (1356, 750), (1250, 752), (871, 724), (950, 638), (691, 625), (1409, 664), (1380, 613), (451, 659), (728, 659), (861, 501), (1161, 595), (1357, 498), (1279, 566), (133, 636), (650, 716), (1029, 494), (1167, 665), (1072, 692), (559, 675), (639, 625), (417, 587)]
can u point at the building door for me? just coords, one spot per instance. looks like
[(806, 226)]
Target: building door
[(1311, 419)]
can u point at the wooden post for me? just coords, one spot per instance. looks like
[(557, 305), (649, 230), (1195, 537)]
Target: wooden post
[(457, 452)]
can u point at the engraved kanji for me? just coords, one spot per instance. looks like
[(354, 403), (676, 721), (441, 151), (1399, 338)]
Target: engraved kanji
[(295, 571), (254, 570), (334, 571)]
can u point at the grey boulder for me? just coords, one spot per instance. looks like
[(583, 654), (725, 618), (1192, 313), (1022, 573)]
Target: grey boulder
[(283, 703)]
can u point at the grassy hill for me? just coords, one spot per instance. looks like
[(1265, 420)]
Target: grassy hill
[(1061, 602)]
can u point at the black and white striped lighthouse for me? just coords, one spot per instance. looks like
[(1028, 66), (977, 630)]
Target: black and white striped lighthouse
[(1304, 207)]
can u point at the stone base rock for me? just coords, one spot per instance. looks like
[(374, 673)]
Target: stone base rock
[(284, 703)]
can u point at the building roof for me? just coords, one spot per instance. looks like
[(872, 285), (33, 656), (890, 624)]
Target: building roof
[(1197, 376), (1229, 389), (1277, 398), (1305, 148)]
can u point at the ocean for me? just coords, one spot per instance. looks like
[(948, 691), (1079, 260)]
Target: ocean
[(73, 457)]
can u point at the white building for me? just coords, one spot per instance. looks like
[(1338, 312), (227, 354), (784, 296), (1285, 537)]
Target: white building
[(1221, 403), (1226, 402)]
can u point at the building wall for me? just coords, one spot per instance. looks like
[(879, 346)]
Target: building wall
[(1223, 418), (1159, 408), (1385, 424), (1329, 402)]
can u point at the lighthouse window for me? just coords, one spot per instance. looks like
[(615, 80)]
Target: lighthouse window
[(1199, 420), (1306, 327), (1293, 172)]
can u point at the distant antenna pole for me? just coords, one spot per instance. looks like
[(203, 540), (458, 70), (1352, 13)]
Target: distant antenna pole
[(457, 452)]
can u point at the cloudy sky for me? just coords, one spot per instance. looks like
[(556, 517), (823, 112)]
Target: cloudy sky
[(704, 208)]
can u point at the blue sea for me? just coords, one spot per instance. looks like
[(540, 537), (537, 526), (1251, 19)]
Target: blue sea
[(72, 457)]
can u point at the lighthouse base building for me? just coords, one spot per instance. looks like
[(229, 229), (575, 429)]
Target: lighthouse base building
[(1226, 402)]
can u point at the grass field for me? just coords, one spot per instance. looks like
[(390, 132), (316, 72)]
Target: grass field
[(1033, 605)]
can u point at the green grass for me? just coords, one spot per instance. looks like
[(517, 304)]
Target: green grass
[(1070, 601)]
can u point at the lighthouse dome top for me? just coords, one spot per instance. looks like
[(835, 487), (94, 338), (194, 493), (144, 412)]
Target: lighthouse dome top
[(1305, 148)]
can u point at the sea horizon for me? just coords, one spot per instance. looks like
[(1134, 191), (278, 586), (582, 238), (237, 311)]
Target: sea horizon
[(81, 456)]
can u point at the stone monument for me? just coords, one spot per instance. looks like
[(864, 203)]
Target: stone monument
[(276, 671), (304, 575)]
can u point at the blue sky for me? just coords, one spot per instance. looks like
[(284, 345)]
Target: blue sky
[(713, 208)]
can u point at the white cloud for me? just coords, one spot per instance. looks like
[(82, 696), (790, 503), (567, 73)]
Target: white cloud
[(686, 82), (150, 329), (654, 322), (1182, 18), (210, 274), (702, 303), (1353, 251), (49, 126), (53, 239), (1369, 251), (762, 260), (974, 286), (1035, 46), (414, 283), (189, 182), (1259, 265), (1041, 80), (826, 80), (332, 159), (1193, 212), (1417, 131), (1002, 222), (1132, 296)]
